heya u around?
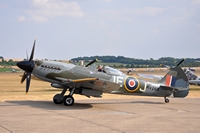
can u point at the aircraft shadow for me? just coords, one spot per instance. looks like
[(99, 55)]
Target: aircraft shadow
[(128, 102), (49, 105), (147, 102)]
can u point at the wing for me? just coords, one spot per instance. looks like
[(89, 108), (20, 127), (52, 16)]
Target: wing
[(64, 80), (89, 86), (151, 76)]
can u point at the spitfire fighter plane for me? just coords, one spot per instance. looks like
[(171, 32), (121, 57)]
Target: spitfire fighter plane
[(86, 80), (192, 77)]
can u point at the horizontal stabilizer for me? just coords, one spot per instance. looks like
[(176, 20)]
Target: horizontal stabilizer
[(194, 82), (169, 88)]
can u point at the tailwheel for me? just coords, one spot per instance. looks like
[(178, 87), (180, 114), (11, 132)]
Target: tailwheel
[(166, 100), (68, 100)]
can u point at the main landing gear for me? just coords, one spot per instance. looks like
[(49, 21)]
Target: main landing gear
[(67, 100), (166, 100)]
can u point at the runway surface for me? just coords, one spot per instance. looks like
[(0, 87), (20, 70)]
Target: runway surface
[(103, 115)]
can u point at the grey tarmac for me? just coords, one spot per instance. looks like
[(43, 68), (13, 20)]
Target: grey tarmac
[(101, 115)]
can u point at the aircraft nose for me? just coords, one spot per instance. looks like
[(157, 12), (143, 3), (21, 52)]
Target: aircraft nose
[(26, 65)]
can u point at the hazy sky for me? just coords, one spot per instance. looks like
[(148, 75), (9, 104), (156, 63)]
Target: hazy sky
[(65, 29)]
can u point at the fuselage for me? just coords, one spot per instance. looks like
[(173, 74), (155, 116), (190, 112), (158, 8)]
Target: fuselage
[(113, 80)]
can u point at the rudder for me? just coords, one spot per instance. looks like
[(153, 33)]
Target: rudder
[(178, 79)]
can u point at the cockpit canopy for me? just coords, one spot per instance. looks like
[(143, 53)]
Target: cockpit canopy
[(112, 71), (108, 70)]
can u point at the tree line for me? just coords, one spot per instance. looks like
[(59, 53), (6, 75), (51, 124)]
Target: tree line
[(8, 63), (141, 63), (121, 61)]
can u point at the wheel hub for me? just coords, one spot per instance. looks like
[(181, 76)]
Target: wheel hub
[(68, 100)]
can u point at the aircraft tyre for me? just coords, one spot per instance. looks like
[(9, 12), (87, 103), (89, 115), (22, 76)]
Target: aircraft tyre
[(57, 99), (166, 100), (68, 100)]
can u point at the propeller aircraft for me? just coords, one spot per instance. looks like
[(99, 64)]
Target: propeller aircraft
[(192, 77), (88, 81)]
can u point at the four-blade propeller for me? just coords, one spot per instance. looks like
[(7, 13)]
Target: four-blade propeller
[(27, 66)]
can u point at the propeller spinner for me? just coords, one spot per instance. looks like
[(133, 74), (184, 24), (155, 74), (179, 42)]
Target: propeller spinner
[(27, 66)]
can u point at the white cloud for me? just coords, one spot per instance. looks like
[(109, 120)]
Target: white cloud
[(153, 11), (196, 2), (107, 0), (44, 10), (197, 25), (156, 31), (21, 18), (3, 6), (109, 13), (114, 34), (38, 18), (185, 15)]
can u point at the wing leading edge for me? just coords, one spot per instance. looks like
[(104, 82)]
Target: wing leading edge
[(76, 80)]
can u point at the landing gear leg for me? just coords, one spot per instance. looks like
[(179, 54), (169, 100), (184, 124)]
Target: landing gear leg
[(58, 98), (68, 100), (166, 100)]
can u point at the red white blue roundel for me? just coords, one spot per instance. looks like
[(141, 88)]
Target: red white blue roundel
[(131, 84)]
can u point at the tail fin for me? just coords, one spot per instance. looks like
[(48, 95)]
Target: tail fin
[(176, 78), (170, 80)]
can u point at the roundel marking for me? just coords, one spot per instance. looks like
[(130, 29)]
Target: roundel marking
[(131, 84)]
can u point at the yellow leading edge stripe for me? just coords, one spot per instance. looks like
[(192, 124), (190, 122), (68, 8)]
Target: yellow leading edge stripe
[(85, 79)]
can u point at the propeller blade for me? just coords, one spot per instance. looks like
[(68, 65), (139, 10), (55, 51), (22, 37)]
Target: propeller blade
[(26, 55), (28, 80), (28, 66), (32, 53), (180, 62), (90, 63), (23, 77)]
